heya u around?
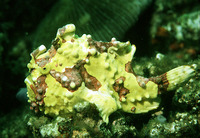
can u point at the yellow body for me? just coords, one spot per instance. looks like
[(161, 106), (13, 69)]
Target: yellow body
[(106, 67)]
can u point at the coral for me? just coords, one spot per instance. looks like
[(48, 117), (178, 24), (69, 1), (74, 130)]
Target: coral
[(184, 124), (120, 128), (83, 123), (79, 70), (175, 26), (178, 18), (188, 96), (42, 127), (185, 27)]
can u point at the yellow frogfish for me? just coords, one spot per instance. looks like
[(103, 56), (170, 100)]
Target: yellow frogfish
[(78, 70)]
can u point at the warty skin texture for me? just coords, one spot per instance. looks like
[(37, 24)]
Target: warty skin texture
[(79, 69)]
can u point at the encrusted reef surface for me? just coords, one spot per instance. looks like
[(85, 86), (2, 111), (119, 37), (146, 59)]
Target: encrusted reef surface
[(175, 24), (83, 81)]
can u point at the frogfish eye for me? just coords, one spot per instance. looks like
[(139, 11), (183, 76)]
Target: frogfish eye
[(45, 70)]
